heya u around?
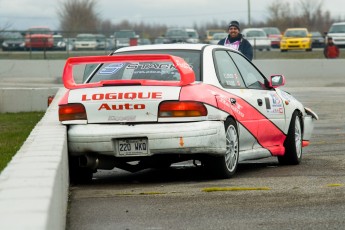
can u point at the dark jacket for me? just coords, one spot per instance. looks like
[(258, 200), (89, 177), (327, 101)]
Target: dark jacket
[(245, 47)]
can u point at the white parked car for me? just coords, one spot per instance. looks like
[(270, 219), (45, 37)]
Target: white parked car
[(217, 37), (155, 105), (86, 42), (257, 38), (193, 36)]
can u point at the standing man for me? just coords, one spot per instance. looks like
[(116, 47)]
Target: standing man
[(236, 41), (331, 50)]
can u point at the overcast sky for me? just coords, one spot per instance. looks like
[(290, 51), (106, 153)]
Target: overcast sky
[(22, 14)]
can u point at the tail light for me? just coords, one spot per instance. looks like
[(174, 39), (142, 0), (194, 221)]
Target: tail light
[(72, 112), (181, 109)]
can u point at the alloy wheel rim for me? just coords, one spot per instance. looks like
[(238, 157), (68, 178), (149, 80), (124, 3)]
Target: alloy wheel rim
[(231, 148), (298, 137)]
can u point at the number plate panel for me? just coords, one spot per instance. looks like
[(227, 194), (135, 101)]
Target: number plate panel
[(132, 147)]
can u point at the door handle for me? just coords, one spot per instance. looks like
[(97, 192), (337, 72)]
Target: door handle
[(232, 100), (259, 102)]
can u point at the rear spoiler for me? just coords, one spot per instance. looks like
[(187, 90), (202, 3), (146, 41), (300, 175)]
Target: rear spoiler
[(186, 72)]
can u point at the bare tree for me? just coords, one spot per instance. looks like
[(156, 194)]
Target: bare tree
[(78, 16), (306, 13)]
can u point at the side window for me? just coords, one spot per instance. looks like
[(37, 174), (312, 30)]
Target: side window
[(251, 76), (226, 70)]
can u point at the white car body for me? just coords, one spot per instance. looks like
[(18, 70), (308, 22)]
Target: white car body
[(85, 42), (337, 33), (217, 37), (134, 119)]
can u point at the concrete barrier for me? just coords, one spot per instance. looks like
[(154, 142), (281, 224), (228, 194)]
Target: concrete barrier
[(34, 185), (14, 100)]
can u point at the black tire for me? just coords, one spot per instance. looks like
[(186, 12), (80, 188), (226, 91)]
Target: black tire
[(77, 174), (225, 166), (293, 142)]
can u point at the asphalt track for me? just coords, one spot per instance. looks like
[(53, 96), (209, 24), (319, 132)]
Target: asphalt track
[(262, 195)]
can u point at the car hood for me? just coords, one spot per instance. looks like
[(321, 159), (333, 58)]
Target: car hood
[(123, 103)]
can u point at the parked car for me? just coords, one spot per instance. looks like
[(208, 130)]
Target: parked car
[(144, 41), (274, 35), (193, 36), (210, 33), (155, 105), (59, 42), (296, 39), (40, 38), (12, 41), (317, 39), (337, 33), (257, 38), (159, 40), (176, 35), (102, 43), (123, 38), (217, 37), (86, 42)]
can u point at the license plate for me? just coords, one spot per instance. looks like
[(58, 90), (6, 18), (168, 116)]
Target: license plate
[(132, 147)]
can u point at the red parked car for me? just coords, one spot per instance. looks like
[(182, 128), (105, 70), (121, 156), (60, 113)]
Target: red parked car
[(274, 34), (39, 38)]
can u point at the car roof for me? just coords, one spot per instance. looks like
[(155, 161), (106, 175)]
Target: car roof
[(339, 23), (174, 46)]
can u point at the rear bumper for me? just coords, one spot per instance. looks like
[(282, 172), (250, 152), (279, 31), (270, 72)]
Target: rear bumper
[(205, 137)]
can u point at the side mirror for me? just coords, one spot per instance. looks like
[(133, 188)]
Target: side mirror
[(276, 80)]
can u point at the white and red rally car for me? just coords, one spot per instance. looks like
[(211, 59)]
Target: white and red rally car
[(154, 105)]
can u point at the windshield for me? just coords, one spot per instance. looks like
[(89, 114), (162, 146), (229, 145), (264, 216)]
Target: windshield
[(296, 33), (86, 38), (180, 33), (124, 34), (163, 71), (271, 30), (192, 34), (337, 29), (39, 31), (256, 33)]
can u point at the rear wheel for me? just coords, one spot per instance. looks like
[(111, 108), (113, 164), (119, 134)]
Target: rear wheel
[(225, 166), (293, 142)]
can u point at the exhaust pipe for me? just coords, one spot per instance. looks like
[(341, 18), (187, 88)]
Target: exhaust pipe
[(96, 162)]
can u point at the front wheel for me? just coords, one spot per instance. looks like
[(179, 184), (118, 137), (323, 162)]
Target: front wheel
[(293, 142), (225, 166)]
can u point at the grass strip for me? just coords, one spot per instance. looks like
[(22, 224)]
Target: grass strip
[(14, 130)]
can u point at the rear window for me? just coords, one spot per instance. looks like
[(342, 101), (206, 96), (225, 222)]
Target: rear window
[(146, 70), (163, 71)]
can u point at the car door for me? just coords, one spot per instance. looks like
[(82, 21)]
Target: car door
[(262, 109), (265, 100), (235, 97)]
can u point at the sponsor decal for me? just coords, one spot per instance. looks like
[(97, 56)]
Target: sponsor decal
[(120, 96), (126, 106), (274, 104), (111, 69), (235, 107), (231, 79)]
